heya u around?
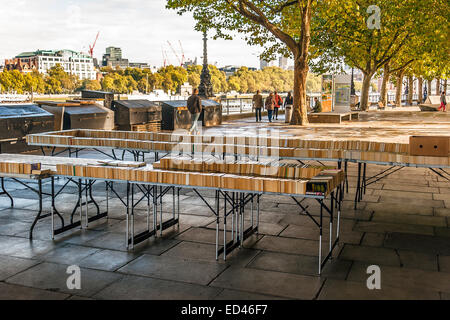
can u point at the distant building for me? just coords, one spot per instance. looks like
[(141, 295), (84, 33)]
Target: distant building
[(139, 65), (185, 89), (190, 62), (264, 64), (230, 70), (113, 58), (75, 63), (283, 63)]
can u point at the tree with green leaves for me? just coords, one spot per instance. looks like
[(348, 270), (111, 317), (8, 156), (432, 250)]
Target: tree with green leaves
[(280, 26), (369, 34)]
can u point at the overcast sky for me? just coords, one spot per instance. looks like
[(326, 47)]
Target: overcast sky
[(139, 27)]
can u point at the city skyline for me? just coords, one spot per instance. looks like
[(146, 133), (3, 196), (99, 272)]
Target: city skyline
[(141, 40)]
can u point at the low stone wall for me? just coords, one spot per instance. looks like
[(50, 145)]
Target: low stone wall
[(236, 116)]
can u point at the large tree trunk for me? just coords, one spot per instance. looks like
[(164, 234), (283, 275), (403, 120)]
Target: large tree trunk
[(398, 89), (300, 110), (365, 91), (445, 86), (301, 55), (438, 86), (420, 90), (384, 91), (430, 82), (410, 90)]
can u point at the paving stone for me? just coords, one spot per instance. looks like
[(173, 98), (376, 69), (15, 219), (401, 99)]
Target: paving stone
[(441, 196), (312, 233), (207, 252), (349, 290), (404, 278), (169, 268), (442, 232), (440, 184), (272, 217), (409, 188), (80, 237), (410, 219), (444, 263), (442, 212), (117, 241), (371, 239), (78, 298), (418, 243), (107, 260), (412, 201), (205, 235), (400, 209), (444, 190), (19, 203), (445, 296), (9, 227), (195, 221), (68, 254), (140, 288), (10, 266), (18, 214), (271, 229), (374, 255), (381, 227), (269, 282), (298, 264), (24, 248), (369, 199), (418, 260), (15, 292), (227, 294), (289, 245), (51, 276)]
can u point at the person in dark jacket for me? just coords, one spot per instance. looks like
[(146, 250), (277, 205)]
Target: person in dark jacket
[(258, 105), (289, 101), (317, 105), (194, 105)]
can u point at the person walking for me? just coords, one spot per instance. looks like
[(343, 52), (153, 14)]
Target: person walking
[(194, 105), (258, 105), (270, 105), (317, 105), (288, 104), (443, 101), (278, 103)]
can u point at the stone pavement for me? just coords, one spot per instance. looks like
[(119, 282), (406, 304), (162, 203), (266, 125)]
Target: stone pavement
[(402, 225)]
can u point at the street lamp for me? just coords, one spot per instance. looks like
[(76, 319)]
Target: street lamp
[(352, 84)]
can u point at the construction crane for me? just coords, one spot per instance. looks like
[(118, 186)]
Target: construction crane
[(183, 57), (165, 57), (91, 48), (175, 53)]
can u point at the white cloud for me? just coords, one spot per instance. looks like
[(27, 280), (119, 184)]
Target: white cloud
[(139, 27)]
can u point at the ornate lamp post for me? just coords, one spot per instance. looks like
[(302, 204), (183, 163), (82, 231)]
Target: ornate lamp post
[(205, 89), (352, 84)]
